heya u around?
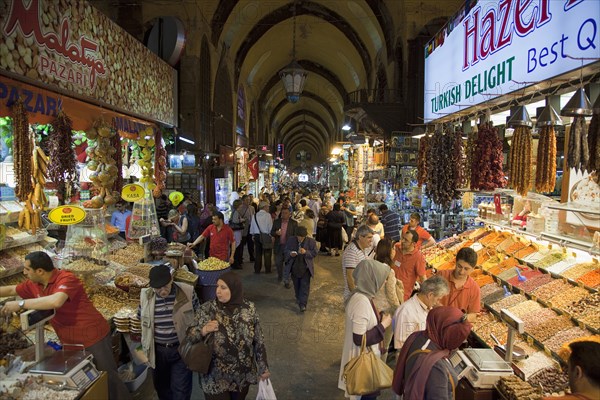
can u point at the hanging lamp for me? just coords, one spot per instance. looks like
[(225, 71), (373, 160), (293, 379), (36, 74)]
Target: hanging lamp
[(519, 117), (579, 104), (548, 117), (293, 75)]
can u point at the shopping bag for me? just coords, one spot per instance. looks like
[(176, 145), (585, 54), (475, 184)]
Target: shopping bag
[(344, 235), (265, 390), (366, 373)]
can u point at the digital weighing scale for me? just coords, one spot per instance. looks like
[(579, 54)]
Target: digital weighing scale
[(481, 367), (66, 368)]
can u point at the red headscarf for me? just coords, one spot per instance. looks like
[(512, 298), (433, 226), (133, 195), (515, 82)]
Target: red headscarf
[(445, 329)]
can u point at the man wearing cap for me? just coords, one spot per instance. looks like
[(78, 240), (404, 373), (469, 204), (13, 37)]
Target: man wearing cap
[(222, 242), (300, 252), (166, 310), (76, 321), (261, 223)]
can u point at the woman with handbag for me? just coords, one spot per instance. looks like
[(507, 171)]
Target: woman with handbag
[(239, 357), (390, 296), (335, 222), (177, 227), (423, 371), (364, 319)]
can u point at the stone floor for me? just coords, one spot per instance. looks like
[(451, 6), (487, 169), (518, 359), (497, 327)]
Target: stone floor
[(304, 349)]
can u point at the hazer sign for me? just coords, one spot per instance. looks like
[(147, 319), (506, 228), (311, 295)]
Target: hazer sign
[(500, 46)]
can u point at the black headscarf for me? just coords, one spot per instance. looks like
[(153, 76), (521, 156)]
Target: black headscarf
[(235, 287)]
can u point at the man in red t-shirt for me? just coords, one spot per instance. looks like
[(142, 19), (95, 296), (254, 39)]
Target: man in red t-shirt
[(464, 291), (222, 242), (76, 321), (425, 239), (409, 263)]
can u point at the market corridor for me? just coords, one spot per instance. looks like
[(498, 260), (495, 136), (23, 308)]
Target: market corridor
[(304, 349)]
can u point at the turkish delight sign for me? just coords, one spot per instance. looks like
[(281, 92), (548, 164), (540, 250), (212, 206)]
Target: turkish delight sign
[(71, 46), (491, 48)]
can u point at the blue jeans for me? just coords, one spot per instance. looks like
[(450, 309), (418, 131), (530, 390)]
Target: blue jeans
[(172, 379)]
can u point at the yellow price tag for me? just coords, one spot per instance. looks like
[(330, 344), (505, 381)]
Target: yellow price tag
[(66, 215), (133, 192)]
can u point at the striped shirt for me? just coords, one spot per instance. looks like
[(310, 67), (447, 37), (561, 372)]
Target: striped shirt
[(350, 259), (164, 328), (391, 225)]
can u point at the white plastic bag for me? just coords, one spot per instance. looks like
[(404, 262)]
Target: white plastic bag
[(265, 390)]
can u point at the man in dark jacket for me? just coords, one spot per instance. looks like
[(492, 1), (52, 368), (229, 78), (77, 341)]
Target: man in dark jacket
[(299, 253), (284, 227)]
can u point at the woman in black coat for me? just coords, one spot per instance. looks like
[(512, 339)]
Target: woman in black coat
[(335, 221)]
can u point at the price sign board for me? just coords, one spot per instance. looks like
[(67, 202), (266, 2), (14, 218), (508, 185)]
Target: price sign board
[(66, 215), (133, 192)]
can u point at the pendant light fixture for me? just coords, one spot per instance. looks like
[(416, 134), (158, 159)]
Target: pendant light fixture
[(519, 117), (293, 75), (579, 104), (548, 117)]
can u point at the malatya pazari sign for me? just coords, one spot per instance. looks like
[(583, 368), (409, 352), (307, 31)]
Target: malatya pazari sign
[(79, 50)]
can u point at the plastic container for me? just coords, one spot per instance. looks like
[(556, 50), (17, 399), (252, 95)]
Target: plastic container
[(87, 238), (207, 282), (141, 372), (143, 218)]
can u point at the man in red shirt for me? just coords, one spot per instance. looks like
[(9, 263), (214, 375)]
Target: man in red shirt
[(425, 239), (464, 291), (76, 321), (222, 242), (409, 263)]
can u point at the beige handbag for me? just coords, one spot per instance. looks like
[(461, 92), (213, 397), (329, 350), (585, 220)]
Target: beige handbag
[(366, 373), (400, 290)]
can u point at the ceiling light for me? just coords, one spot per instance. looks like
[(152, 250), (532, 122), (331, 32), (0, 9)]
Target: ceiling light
[(336, 151), (293, 75), (346, 127), (186, 140)]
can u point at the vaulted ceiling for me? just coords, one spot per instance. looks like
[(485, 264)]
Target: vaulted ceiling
[(342, 44), (337, 42)]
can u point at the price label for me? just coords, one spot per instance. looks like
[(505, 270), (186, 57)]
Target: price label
[(133, 192), (66, 215)]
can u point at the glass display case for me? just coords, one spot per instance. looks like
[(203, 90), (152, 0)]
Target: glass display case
[(87, 239), (223, 189), (143, 218)]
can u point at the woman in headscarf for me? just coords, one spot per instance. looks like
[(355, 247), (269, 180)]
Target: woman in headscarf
[(239, 356), (363, 318), (423, 371)]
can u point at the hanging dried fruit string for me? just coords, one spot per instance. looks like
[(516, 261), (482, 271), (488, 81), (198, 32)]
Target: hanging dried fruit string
[(578, 151), (22, 151), (443, 173), (160, 165), (594, 142), (545, 175), (101, 153), (521, 160), (117, 144), (469, 156), (486, 171), (423, 162), (62, 169)]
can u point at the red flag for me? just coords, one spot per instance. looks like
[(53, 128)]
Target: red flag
[(253, 167)]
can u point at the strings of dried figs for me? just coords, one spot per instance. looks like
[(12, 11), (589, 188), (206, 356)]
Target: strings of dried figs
[(545, 175), (520, 160), (423, 161), (22, 151), (160, 165), (578, 155), (62, 171), (469, 157), (443, 175), (486, 171), (594, 143)]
